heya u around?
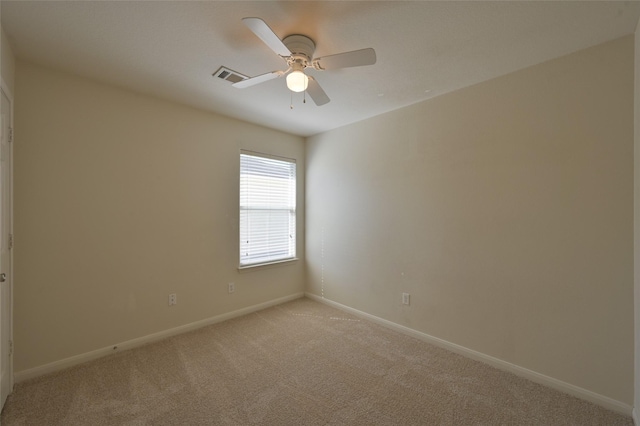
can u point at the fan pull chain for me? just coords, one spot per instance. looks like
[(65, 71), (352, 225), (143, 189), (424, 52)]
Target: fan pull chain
[(304, 99)]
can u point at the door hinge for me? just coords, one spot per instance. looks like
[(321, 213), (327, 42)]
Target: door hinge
[(10, 241), (10, 347), (10, 134)]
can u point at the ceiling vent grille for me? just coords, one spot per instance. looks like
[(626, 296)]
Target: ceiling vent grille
[(229, 75)]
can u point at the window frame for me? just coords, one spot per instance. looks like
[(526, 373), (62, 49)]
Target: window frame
[(291, 209)]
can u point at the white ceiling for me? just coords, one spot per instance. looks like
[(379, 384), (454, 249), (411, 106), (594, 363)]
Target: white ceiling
[(170, 49)]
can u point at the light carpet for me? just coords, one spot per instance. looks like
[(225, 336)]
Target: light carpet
[(299, 363)]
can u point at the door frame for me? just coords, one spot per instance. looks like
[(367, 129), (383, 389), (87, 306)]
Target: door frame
[(5, 89)]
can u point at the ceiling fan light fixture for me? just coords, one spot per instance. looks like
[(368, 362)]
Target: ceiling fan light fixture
[(297, 81), (298, 51)]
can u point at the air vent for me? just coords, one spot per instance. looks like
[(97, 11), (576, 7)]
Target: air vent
[(229, 75)]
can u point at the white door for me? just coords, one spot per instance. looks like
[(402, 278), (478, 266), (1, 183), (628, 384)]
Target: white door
[(6, 346)]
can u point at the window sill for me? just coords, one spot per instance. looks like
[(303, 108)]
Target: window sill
[(255, 266)]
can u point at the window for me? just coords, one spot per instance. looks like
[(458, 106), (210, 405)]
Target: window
[(267, 209)]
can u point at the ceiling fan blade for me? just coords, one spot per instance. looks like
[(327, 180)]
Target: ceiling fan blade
[(317, 94), (355, 58), (266, 34), (258, 79)]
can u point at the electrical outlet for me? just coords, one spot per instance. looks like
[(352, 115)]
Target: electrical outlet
[(232, 287), (173, 299), (405, 298)]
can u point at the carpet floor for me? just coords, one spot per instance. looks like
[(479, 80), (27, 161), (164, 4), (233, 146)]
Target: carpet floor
[(299, 363)]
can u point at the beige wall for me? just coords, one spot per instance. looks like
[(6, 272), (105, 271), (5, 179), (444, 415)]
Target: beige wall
[(7, 61), (506, 211), (637, 223), (121, 199)]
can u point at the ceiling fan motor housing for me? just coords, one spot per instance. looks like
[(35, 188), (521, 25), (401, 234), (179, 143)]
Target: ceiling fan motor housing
[(301, 48)]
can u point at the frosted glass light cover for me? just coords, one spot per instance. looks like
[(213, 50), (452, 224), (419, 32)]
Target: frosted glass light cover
[(297, 81)]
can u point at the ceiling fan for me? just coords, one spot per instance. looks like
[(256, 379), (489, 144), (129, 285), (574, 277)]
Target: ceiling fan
[(297, 50)]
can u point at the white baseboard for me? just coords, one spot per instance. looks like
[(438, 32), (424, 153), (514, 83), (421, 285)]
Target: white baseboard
[(130, 344), (568, 388)]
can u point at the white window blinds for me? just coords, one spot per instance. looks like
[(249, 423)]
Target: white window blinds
[(267, 208)]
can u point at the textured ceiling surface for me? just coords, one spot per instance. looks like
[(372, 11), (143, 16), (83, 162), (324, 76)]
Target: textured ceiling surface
[(170, 49)]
